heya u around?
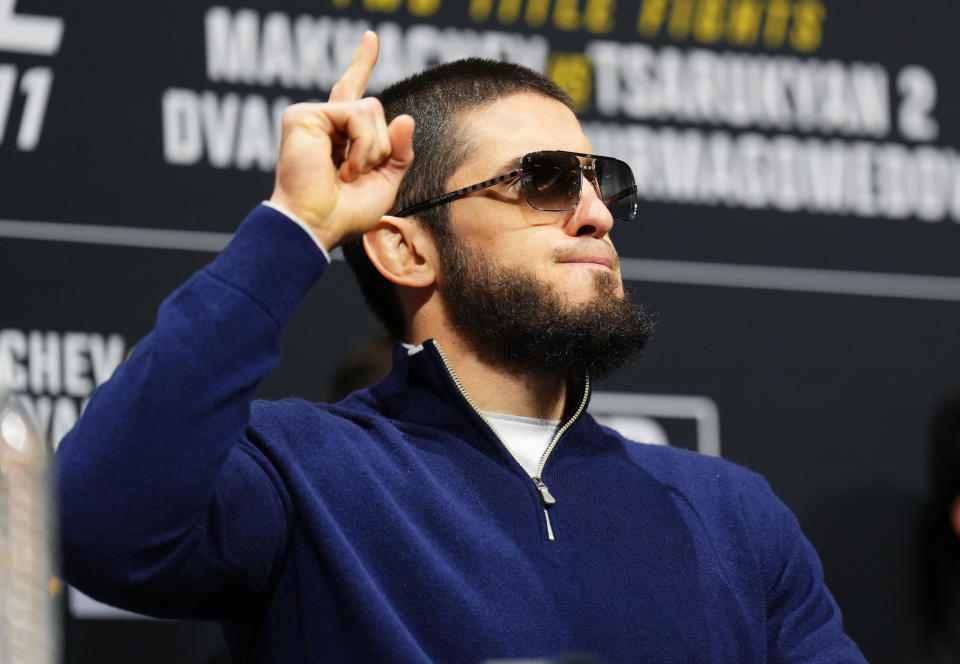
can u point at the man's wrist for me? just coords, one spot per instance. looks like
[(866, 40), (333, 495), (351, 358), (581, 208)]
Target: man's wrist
[(302, 224)]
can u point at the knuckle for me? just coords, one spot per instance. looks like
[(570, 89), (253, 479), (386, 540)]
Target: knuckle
[(290, 113), (299, 108), (372, 106), (296, 113)]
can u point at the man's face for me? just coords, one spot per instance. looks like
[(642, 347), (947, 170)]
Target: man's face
[(534, 290), (565, 249)]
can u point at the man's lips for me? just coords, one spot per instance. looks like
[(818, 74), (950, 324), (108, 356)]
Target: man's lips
[(593, 255)]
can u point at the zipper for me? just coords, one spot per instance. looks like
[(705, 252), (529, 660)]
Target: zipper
[(546, 498), (561, 431)]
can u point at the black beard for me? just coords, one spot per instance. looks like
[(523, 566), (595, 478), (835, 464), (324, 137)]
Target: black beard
[(521, 323)]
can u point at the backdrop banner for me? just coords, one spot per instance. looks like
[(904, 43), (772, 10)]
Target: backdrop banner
[(798, 233)]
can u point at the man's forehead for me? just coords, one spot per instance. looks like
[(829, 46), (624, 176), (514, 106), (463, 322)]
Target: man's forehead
[(517, 115), (503, 131)]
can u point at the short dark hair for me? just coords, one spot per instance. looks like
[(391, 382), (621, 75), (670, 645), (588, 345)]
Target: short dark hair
[(437, 98)]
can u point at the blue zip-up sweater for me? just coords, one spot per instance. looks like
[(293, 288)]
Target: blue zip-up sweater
[(394, 526)]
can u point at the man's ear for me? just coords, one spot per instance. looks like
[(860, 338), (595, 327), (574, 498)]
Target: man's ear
[(403, 251)]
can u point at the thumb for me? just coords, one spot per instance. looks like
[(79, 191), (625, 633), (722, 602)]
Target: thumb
[(400, 131)]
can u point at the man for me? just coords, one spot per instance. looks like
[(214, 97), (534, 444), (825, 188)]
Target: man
[(465, 508)]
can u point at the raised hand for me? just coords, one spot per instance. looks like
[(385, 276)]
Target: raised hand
[(340, 163)]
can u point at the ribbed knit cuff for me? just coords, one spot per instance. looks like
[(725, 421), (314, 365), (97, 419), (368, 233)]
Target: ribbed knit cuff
[(271, 260)]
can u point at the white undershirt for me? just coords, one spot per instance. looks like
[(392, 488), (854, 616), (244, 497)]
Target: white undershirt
[(526, 437)]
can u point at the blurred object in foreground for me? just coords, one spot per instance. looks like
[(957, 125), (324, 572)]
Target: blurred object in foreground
[(29, 619)]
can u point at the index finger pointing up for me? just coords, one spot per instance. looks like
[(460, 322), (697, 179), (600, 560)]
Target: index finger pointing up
[(351, 85)]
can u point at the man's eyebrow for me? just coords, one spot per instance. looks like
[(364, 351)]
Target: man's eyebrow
[(509, 165)]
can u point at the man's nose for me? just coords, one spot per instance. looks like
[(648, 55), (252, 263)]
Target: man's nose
[(591, 216)]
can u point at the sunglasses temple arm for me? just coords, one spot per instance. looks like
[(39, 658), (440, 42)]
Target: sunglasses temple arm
[(419, 207), (431, 203), (453, 195)]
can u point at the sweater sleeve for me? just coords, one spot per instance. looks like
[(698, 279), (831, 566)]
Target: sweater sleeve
[(166, 505), (804, 624)]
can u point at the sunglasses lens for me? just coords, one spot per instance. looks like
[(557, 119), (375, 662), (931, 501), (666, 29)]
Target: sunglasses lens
[(617, 187), (551, 180)]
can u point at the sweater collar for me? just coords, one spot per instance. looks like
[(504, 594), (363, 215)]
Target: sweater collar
[(422, 380)]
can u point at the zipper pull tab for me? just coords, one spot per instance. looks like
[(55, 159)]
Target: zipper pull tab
[(545, 496)]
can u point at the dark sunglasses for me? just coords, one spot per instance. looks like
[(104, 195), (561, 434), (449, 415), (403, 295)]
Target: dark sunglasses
[(551, 181)]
